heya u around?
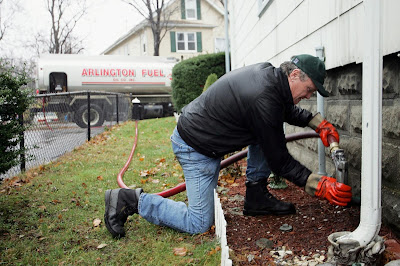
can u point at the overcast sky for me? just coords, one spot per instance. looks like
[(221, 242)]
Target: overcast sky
[(104, 23)]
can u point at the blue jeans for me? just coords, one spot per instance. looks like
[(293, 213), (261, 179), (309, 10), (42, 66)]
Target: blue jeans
[(257, 167), (201, 176)]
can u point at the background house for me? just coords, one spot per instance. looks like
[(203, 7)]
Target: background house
[(275, 30), (195, 27)]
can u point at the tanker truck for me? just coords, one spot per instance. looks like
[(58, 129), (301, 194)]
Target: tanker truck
[(147, 78)]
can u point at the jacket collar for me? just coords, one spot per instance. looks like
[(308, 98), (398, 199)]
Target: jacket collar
[(285, 88)]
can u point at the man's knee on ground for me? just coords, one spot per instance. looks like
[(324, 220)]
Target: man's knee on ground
[(204, 227)]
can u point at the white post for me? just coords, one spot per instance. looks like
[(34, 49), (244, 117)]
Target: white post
[(227, 61)]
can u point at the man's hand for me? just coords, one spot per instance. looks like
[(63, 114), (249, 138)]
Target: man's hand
[(325, 129), (335, 192)]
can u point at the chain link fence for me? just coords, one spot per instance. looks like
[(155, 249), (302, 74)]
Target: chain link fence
[(57, 123)]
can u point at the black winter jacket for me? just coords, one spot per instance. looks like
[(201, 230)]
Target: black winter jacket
[(246, 106)]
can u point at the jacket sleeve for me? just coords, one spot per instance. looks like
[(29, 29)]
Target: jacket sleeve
[(297, 116), (267, 118)]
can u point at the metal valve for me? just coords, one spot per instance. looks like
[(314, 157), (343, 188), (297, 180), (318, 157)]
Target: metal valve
[(339, 159)]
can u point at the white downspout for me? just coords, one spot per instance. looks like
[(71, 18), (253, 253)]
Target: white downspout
[(370, 217)]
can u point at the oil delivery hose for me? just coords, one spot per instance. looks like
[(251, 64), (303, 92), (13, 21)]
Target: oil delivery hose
[(236, 157), (224, 163), (123, 170)]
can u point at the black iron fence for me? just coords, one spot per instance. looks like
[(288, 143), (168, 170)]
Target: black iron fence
[(57, 123)]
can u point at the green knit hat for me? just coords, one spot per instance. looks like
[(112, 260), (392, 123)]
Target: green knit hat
[(314, 68)]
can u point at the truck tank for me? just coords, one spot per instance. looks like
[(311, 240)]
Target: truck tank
[(147, 78)]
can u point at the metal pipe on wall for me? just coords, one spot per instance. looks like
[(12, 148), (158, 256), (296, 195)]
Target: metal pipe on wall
[(320, 108)]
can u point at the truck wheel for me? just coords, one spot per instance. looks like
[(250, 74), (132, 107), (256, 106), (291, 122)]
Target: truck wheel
[(96, 116)]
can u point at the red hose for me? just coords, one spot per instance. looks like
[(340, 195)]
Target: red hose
[(224, 163), (123, 170), (236, 157)]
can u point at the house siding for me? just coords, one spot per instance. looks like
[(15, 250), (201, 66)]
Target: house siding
[(287, 28)]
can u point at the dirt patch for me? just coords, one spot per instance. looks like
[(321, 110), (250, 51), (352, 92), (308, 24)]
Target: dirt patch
[(313, 222)]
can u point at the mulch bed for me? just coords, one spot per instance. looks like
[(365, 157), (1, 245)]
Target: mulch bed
[(314, 221)]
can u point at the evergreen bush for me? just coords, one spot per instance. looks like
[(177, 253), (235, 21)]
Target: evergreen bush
[(189, 76), (210, 80), (14, 101)]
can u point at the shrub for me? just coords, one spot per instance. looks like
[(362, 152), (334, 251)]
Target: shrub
[(189, 76), (14, 101), (210, 80)]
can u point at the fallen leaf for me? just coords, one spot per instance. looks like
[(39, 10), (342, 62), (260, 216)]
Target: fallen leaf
[(165, 174), (180, 251), (101, 246), (144, 173), (96, 222), (100, 178), (214, 250), (55, 201), (42, 207)]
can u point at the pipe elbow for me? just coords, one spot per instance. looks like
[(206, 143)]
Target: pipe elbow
[(363, 235)]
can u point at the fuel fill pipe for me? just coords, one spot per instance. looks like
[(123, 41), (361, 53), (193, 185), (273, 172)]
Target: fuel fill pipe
[(224, 163)]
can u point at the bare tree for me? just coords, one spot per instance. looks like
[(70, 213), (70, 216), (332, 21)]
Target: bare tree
[(3, 25), (63, 23), (157, 16), (6, 19)]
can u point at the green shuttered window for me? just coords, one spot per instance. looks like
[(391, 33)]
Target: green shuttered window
[(191, 9), (186, 41)]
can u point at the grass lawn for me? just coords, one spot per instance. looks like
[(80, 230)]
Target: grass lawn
[(53, 214)]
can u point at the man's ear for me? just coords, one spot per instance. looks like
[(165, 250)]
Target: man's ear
[(294, 74)]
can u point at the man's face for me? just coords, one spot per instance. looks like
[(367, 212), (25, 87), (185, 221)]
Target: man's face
[(300, 89)]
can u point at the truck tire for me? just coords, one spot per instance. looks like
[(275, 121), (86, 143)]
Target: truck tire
[(96, 116)]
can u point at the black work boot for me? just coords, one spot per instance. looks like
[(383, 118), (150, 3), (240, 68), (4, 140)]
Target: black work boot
[(120, 203), (259, 201)]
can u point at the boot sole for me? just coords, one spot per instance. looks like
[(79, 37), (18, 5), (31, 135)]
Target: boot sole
[(257, 213), (107, 199)]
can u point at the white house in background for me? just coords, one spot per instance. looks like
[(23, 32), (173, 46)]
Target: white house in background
[(274, 30), (196, 27)]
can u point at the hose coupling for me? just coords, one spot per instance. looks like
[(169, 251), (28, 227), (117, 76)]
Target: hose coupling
[(334, 146)]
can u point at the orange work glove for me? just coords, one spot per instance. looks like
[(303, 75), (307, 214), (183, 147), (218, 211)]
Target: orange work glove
[(325, 129), (335, 192)]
